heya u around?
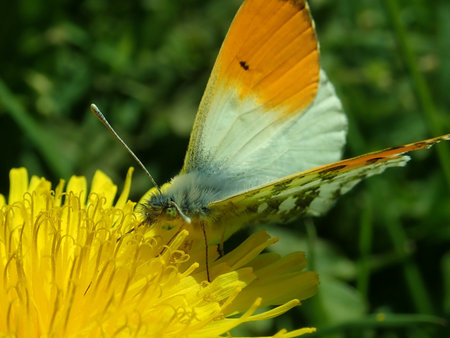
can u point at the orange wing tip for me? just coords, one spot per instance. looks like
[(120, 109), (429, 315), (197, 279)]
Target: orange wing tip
[(271, 54), (425, 144), (390, 154)]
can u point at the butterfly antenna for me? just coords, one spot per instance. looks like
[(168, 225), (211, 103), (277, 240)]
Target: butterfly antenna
[(105, 122)]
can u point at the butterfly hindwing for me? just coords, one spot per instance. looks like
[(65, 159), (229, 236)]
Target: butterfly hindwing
[(314, 191)]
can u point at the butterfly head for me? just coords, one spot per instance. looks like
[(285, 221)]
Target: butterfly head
[(184, 202), (158, 206)]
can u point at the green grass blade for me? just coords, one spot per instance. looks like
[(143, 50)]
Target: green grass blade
[(423, 92), (45, 143)]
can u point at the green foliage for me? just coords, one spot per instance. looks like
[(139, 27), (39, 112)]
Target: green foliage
[(384, 248)]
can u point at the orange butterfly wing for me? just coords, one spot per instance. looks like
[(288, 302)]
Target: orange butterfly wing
[(267, 72), (271, 53)]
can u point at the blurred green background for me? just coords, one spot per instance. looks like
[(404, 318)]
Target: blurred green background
[(384, 248)]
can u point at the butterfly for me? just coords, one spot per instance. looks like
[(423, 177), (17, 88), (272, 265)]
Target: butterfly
[(268, 136)]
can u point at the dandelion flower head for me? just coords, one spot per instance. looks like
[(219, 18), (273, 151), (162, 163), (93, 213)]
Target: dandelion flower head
[(73, 262)]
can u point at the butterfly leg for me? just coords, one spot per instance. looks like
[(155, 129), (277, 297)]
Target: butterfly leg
[(202, 224), (130, 231)]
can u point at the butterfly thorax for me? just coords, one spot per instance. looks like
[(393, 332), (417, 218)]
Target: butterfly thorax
[(192, 193)]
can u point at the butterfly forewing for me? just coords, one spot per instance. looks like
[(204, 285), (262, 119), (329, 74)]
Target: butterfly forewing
[(267, 110), (311, 192)]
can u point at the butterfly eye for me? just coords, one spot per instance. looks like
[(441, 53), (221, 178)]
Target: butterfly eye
[(171, 211)]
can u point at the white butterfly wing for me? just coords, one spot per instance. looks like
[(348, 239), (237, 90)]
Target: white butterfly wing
[(309, 139)]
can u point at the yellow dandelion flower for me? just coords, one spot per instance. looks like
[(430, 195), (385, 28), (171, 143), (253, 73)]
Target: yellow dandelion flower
[(73, 263)]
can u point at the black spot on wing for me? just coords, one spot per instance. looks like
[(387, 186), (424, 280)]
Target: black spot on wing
[(244, 65), (422, 144), (331, 173), (374, 160)]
